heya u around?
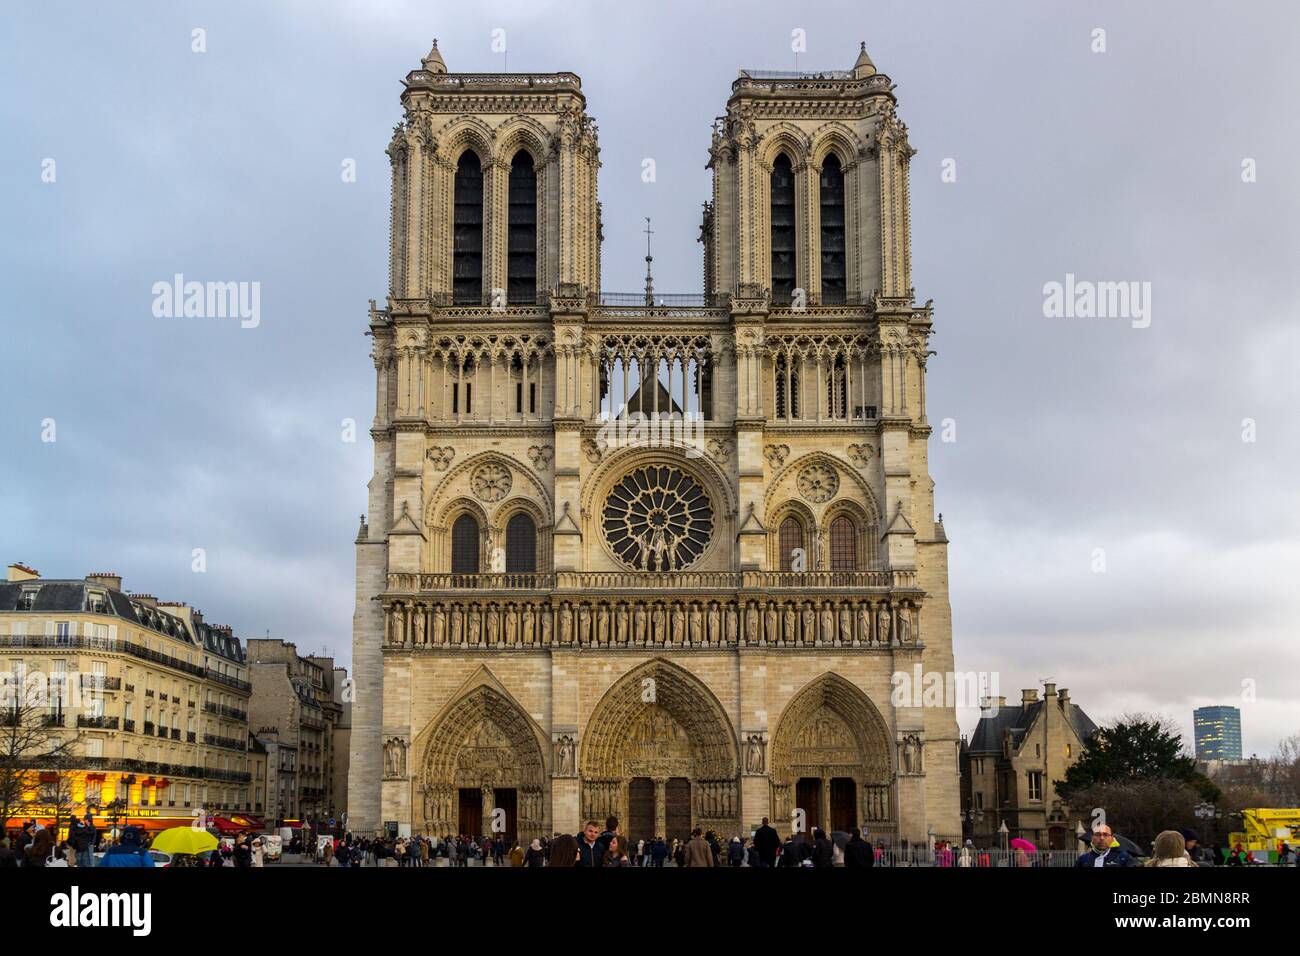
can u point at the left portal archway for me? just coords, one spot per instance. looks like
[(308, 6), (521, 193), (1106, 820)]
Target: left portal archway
[(483, 755)]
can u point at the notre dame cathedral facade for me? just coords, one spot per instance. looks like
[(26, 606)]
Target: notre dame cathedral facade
[(651, 555)]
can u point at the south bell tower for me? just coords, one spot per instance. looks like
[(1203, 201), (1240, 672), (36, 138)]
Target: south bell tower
[(528, 567)]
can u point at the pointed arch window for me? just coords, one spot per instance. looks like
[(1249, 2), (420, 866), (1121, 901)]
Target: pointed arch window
[(464, 545), (521, 251), (832, 216), (467, 237), (521, 545), (844, 544), (782, 238), (789, 539)]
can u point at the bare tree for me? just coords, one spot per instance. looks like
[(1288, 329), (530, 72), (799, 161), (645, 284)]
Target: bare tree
[(34, 738)]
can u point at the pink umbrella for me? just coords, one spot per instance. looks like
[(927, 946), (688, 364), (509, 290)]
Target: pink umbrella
[(1019, 843)]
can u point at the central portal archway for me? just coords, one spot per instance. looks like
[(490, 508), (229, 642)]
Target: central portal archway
[(660, 753)]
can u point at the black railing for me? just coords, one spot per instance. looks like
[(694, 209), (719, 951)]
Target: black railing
[(98, 723), (128, 726), (224, 711)]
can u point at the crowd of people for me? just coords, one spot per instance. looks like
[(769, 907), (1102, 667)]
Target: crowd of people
[(595, 846)]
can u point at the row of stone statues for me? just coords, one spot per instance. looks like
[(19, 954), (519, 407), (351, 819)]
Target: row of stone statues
[(657, 623)]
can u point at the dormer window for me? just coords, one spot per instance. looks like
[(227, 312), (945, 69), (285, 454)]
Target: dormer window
[(27, 598), (96, 601)]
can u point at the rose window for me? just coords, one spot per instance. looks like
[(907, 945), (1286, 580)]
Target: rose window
[(658, 518)]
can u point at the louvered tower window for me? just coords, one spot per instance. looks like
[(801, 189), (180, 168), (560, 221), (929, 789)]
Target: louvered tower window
[(467, 241), (783, 255), (521, 259), (832, 213)]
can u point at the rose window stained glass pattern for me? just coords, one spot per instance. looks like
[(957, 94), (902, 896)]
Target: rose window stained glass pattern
[(658, 518)]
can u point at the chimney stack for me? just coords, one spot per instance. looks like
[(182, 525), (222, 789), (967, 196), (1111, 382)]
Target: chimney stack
[(1064, 696), (21, 572), (1027, 697), (1049, 690), (106, 579)]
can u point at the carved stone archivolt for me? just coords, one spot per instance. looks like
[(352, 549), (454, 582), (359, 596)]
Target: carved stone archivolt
[(482, 741), (832, 729), (659, 721)]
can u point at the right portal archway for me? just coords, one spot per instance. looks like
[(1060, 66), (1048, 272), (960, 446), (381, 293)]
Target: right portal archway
[(831, 760)]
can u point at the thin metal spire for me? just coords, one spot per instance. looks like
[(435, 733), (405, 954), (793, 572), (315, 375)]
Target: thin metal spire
[(649, 259)]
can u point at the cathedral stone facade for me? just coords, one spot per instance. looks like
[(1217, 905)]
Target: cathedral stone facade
[(643, 554)]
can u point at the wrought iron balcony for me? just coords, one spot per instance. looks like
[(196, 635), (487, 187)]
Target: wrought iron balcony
[(98, 723)]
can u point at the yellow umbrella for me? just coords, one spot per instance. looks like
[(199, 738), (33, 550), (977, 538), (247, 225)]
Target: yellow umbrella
[(184, 840)]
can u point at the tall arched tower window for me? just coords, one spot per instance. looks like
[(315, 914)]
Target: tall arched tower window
[(521, 258), (832, 214), (789, 538), (844, 544), (467, 241), (783, 254), (521, 545), (464, 545)]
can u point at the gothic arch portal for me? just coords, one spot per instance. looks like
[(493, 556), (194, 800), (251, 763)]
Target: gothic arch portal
[(830, 730), (482, 740), (660, 723)]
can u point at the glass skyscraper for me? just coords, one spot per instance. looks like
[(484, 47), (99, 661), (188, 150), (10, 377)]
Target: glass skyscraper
[(1218, 733)]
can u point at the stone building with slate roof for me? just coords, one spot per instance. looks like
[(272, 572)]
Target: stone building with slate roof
[(1010, 765), (156, 698)]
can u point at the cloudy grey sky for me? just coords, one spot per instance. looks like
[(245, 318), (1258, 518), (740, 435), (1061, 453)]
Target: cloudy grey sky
[(1072, 435)]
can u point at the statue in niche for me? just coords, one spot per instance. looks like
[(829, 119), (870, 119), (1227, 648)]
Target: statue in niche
[(790, 631), (620, 624), (864, 622), (640, 624), (771, 631), (544, 622), (439, 625), (809, 624), (419, 625), (882, 625), (828, 624), (754, 754), (904, 626), (846, 625), (731, 624), (751, 623), (528, 624), (566, 624), (584, 623), (715, 634), (912, 753), (564, 756), (697, 625), (512, 625), (679, 625), (456, 632), (474, 624), (493, 625)]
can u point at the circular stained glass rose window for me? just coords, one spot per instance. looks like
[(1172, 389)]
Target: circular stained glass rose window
[(658, 518)]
